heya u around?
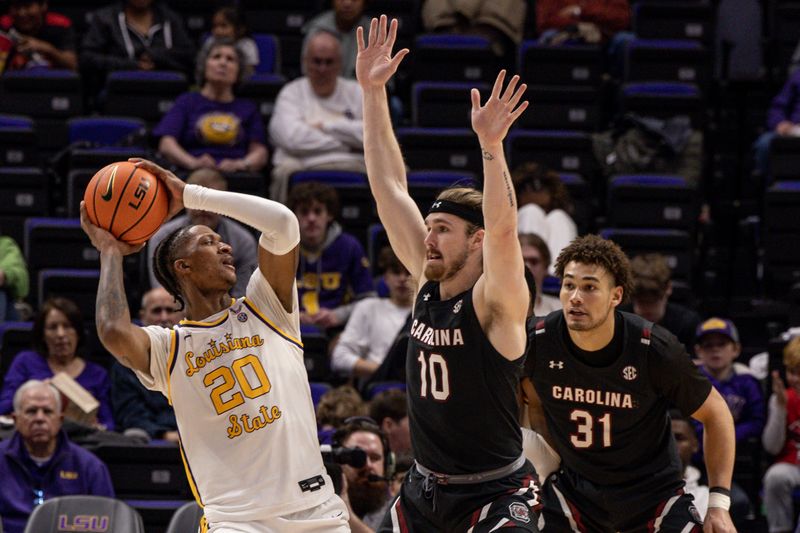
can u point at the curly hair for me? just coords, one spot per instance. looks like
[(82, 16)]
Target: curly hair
[(304, 194), (535, 177), (164, 258), (595, 250)]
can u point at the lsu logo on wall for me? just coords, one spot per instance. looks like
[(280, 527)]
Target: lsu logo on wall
[(221, 129), (83, 522)]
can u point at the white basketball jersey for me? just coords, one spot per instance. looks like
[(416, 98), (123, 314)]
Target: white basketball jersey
[(241, 396)]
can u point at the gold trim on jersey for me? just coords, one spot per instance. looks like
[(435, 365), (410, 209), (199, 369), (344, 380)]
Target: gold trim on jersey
[(252, 307), (189, 475), (203, 524), (201, 324), (173, 356)]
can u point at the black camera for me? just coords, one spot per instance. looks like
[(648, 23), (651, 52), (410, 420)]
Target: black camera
[(355, 457)]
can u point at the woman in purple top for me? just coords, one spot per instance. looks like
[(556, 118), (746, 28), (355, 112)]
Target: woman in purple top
[(57, 334), (213, 128)]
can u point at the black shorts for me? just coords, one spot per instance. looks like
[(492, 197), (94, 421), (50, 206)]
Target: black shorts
[(510, 503), (574, 504)]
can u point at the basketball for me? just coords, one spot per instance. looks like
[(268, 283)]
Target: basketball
[(130, 202)]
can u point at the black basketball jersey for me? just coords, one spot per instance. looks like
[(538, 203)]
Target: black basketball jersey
[(462, 393), (610, 423)]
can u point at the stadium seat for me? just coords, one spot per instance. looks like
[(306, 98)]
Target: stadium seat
[(664, 60), (376, 240), (269, 55), (373, 389), (146, 472), (84, 513), (442, 104), (674, 245), (78, 285), (453, 58), (563, 151), (663, 100), (356, 206), (186, 518), (317, 390), (582, 199), (572, 66), (99, 141), (263, 89), (784, 158), (557, 107), (196, 15), (651, 201), (58, 242), (248, 183), (14, 337), (18, 141), (674, 20), (440, 149), (425, 185), (315, 353), (781, 236), (24, 191), (784, 27), (144, 94)]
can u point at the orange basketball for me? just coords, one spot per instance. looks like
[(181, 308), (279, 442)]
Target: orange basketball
[(129, 202)]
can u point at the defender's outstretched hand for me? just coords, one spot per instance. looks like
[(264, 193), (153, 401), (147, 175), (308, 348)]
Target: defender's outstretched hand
[(374, 63), (492, 120), (103, 240), (172, 182)]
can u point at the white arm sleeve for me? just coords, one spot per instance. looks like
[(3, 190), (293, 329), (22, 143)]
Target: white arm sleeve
[(280, 231)]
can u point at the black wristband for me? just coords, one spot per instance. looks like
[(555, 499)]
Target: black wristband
[(720, 490)]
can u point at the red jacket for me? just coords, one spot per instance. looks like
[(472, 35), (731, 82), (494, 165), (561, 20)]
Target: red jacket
[(610, 15)]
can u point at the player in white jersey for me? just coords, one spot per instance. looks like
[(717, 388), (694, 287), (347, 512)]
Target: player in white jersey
[(233, 370)]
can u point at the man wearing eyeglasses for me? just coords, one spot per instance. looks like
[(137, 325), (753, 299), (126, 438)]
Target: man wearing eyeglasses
[(138, 411), (39, 462), (316, 124)]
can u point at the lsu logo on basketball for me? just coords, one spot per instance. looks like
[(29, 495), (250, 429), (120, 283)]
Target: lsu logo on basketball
[(83, 522), (106, 196), (140, 192)]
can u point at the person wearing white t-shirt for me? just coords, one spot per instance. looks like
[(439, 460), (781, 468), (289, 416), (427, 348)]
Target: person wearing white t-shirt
[(375, 323), (233, 370)]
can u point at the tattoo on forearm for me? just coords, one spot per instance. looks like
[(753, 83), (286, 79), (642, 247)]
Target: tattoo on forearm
[(112, 305), (509, 189), (486, 155)]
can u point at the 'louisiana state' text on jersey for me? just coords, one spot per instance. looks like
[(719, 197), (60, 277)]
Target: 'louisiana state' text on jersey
[(240, 391)]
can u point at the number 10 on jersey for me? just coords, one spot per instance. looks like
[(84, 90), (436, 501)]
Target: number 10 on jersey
[(433, 375)]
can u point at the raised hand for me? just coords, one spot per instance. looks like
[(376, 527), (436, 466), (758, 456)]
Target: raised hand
[(492, 120), (374, 63), (172, 182)]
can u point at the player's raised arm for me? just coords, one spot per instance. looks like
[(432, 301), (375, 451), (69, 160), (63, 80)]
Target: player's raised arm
[(385, 167), (126, 341), (501, 296)]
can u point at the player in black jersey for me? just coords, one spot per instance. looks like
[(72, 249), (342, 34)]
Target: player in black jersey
[(468, 337), (606, 380)]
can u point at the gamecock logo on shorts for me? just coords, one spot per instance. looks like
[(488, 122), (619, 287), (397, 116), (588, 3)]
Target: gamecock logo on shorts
[(520, 512)]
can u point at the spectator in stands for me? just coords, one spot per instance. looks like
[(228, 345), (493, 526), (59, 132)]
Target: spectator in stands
[(367, 486), (316, 122), (58, 335), (390, 410), (39, 462), (781, 438), (213, 128), (228, 23), (13, 278), (500, 21), (135, 35), (341, 21), (375, 322), (717, 347), (579, 21), (334, 271), (687, 444), (244, 245), (545, 207), (652, 287), (136, 409), (41, 38), (537, 258), (783, 119), (336, 406)]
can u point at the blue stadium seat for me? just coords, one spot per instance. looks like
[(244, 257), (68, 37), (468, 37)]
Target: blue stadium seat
[(315, 352), (560, 107), (784, 158), (186, 518), (317, 390), (663, 100), (100, 141), (146, 472), (674, 20), (425, 185), (18, 141), (144, 94), (583, 200), (269, 55), (376, 240), (453, 58), (782, 236), (563, 151), (652, 201), (675, 245), (84, 513), (14, 337), (263, 89), (441, 149), (682, 61), (24, 191), (356, 205), (443, 104), (575, 65), (373, 389), (79, 285)]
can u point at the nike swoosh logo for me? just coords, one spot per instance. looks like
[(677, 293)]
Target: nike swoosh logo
[(110, 186)]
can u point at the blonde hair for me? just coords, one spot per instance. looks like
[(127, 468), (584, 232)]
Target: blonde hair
[(791, 353), (466, 196)]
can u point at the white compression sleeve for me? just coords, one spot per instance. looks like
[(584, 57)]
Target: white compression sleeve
[(280, 231)]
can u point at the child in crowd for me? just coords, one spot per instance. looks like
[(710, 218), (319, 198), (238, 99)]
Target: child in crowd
[(228, 22)]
